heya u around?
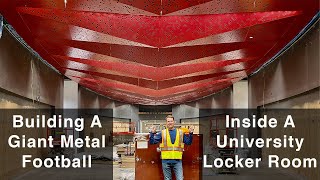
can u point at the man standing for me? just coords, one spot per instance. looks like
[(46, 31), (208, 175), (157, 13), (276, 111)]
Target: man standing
[(172, 142)]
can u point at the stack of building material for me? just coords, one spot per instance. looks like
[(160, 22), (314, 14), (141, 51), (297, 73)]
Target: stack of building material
[(127, 162)]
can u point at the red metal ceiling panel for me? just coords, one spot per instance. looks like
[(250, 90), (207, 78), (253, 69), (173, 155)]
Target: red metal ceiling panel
[(164, 56), (152, 73), (158, 31), (151, 92), (157, 52), (156, 84), (163, 7)]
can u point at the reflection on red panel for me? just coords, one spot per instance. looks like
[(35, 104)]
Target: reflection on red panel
[(157, 52)]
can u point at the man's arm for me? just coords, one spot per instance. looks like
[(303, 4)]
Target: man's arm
[(155, 138), (187, 138)]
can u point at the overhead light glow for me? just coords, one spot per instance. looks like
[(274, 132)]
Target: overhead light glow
[(1, 25)]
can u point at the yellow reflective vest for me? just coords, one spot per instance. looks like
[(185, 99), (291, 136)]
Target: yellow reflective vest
[(169, 150)]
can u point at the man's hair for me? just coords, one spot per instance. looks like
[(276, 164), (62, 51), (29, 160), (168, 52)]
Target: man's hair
[(169, 116)]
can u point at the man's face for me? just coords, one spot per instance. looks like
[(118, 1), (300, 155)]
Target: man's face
[(170, 123)]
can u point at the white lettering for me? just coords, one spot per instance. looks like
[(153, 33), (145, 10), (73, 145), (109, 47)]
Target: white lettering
[(96, 122), (25, 160), (232, 162), (17, 121), (262, 122), (58, 162), (205, 162), (273, 161), (289, 122)]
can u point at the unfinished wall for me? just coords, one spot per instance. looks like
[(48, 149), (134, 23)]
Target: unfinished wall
[(220, 100), (25, 83), (11, 159), (294, 72), (70, 94), (146, 121), (189, 113), (240, 95), (292, 81), (122, 114), (307, 125), (25, 75), (90, 99)]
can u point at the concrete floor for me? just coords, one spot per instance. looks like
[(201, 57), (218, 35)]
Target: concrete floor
[(98, 171), (262, 173), (105, 171)]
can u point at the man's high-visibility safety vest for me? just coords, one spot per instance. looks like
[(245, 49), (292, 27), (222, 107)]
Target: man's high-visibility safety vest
[(169, 150)]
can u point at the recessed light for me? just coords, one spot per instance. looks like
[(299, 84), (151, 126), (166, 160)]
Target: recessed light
[(250, 37)]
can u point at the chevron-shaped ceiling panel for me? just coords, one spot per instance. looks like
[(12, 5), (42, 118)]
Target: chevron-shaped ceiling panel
[(157, 51)]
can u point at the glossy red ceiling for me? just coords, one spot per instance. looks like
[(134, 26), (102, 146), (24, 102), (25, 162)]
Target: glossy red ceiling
[(157, 51)]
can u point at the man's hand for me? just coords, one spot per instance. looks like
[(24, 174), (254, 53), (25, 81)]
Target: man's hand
[(153, 129), (191, 129)]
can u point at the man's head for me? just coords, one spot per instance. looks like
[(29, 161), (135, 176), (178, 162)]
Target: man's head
[(170, 122)]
